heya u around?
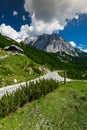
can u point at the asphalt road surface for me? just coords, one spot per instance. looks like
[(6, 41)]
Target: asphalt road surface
[(50, 75)]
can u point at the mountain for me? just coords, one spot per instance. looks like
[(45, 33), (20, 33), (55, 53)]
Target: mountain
[(76, 66), (51, 43)]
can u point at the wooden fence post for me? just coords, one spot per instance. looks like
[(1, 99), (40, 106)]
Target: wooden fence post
[(65, 77)]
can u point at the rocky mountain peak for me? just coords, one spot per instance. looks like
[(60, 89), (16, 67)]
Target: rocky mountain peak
[(51, 43)]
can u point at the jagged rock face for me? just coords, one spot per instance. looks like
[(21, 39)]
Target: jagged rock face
[(51, 43)]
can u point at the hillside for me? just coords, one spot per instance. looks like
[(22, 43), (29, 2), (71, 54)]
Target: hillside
[(15, 68), (6, 41), (64, 109), (76, 66)]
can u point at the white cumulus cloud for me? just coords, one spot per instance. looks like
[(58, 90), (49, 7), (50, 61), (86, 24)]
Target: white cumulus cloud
[(3, 16), (85, 50), (23, 17), (7, 30), (73, 43), (46, 16), (81, 48), (15, 13), (40, 27), (53, 13), (26, 31)]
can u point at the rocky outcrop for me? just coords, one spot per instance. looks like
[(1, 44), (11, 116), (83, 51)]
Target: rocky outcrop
[(51, 43)]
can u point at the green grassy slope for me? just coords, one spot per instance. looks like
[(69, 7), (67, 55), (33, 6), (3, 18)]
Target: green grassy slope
[(76, 66), (15, 68), (63, 109), (5, 41)]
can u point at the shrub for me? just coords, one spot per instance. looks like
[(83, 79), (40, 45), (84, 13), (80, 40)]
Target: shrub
[(32, 91)]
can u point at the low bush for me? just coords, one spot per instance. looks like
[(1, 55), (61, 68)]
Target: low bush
[(10, 102)]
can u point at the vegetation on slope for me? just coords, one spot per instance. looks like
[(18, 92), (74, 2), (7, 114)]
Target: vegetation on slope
[(76, 66), (15, 68), (64, 109), (32, 91), (5, 41)]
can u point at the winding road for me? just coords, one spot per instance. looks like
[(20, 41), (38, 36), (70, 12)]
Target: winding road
[(50, 75)]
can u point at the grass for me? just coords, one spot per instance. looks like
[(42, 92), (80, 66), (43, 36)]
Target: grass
[(3, 53), (17, 68), (61, 73), (76, 66), (62, 109)]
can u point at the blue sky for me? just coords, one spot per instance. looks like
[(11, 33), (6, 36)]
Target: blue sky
[(76, 30), (6, 13), (15, 17)]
